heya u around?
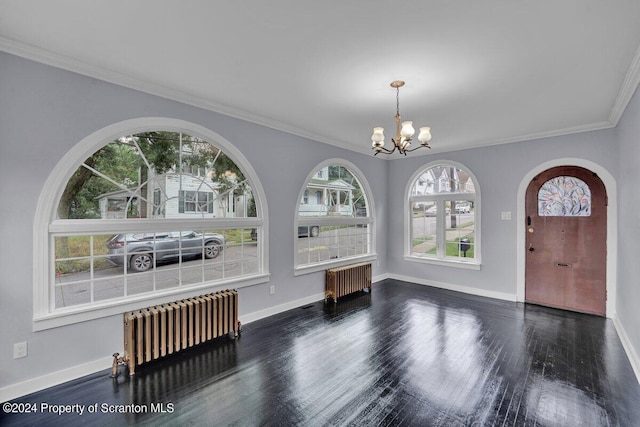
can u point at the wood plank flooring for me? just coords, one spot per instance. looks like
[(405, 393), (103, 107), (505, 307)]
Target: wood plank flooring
[(403, 354)]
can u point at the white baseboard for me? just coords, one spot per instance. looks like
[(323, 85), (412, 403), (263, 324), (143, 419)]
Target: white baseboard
[(40, 383), (30, 386), (458, 288), (257, 315), (36, 384), (55, 378), (252, 317), (380, 278), (632, 354), (628, 347)]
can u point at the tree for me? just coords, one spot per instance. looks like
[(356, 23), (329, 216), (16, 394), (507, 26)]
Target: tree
[(126, 163), (79, 197)]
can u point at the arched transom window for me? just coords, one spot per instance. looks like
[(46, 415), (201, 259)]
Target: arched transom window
[(564, 196)]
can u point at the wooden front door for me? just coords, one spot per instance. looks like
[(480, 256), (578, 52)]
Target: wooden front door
[(566, 214)]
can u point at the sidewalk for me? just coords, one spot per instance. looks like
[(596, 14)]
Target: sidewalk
[(451, 235)]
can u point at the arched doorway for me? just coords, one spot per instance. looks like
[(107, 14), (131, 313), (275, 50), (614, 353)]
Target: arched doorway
[(566, 235)]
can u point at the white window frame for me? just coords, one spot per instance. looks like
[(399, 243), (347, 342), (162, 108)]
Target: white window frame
[(336, 221), (45, 316), (440, 199)]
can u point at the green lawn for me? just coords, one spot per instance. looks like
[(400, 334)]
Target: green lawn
[(420, 240), (452, 249), (80, 246)]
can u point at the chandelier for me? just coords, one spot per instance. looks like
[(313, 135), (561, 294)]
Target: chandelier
[(404, 132)]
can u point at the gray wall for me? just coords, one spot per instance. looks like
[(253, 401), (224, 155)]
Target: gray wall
[(499, 170), (44, 112), (628, 131)]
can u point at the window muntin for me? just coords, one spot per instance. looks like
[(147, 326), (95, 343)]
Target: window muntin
[(442, 215), (99, 267), (443, 179), (333, 224), (333, 242), (154, 175), (564, 196), (168, 179)]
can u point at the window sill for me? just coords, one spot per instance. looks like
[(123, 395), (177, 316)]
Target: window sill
[(333, 263), (469, 265), (71, 315)]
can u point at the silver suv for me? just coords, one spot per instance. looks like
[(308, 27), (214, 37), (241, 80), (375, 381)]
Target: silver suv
[(140, 249)]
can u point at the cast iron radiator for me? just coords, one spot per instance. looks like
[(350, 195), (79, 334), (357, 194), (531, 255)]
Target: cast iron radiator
[(345, 280), (161, 330)]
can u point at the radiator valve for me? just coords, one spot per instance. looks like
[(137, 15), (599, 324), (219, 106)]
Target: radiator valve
[(117, 360)]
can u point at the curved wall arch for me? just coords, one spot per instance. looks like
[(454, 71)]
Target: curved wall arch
[(55, 184), (612, 224)]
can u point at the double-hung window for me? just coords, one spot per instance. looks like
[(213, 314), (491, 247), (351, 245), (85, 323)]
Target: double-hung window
[(443, 207)]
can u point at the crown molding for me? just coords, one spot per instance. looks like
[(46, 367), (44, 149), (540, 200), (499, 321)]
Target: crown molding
[(522, 138), (67, 63), (47, 57), (629, 85), (553, 133)]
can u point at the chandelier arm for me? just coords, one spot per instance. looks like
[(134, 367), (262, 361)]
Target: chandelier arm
[(385, 150), (419, 146), (396, 144)]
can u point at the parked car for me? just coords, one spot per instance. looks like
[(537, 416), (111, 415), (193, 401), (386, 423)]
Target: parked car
[(141, 248), (434, 209), (361, 211), (463, 208), (308, 231)]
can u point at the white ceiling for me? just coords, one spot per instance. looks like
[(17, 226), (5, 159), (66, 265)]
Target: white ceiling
[(477, 72)]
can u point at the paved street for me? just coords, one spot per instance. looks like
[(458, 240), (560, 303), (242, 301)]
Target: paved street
[(337, 243), (76, 288), (426, 225), (80, 288)]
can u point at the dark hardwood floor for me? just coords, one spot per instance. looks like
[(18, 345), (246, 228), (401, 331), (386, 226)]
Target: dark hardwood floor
[(404, 354)]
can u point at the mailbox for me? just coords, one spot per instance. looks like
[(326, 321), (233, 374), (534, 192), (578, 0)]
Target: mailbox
[(465, 245)]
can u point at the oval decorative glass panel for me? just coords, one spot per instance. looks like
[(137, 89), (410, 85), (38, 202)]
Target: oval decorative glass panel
[(564, 196)]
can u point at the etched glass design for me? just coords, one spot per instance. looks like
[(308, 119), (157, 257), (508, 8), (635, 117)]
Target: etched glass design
[(564, 196)]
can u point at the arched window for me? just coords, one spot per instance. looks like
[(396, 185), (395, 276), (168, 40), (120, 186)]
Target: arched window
[(336, 226), (443, 208), (146, 214)]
